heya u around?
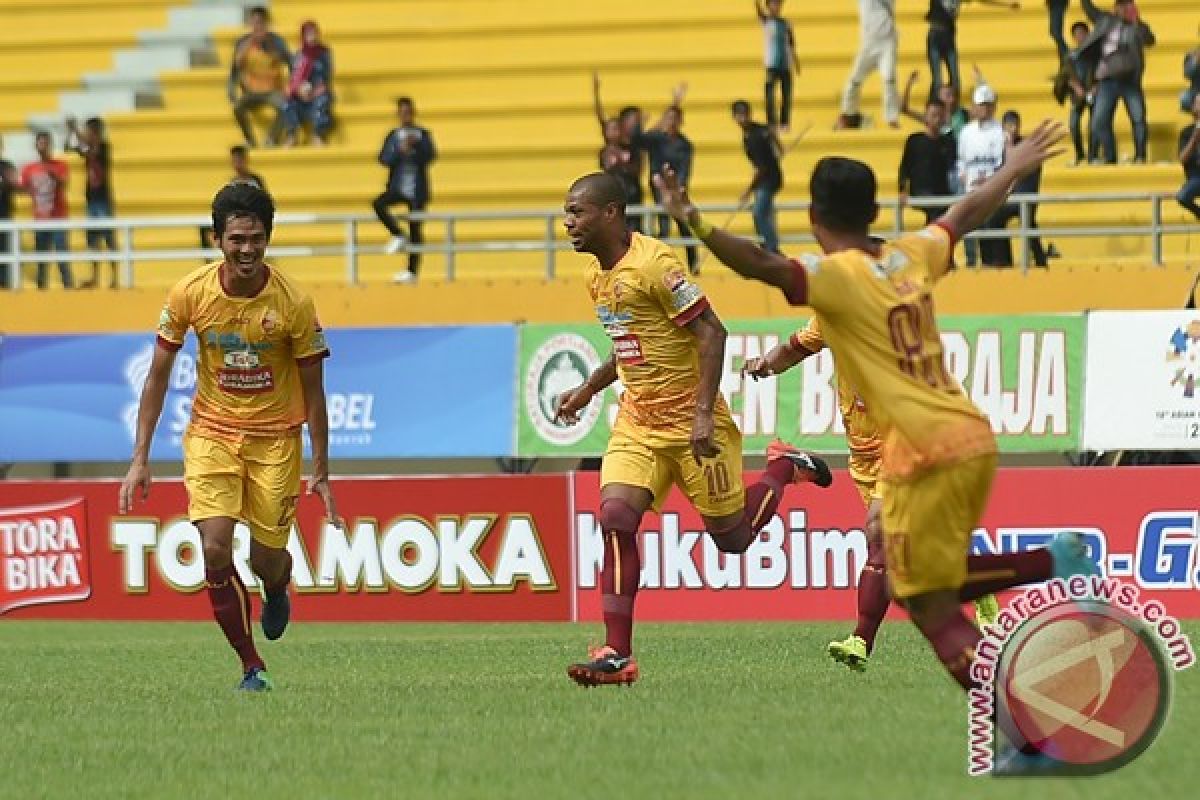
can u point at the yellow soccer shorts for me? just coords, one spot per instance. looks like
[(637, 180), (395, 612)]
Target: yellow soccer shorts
[(256, 480), (714, 486), (864, 471), (927, 525)]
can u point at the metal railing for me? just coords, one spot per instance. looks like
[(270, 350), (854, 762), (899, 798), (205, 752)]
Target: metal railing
[(549, 244)]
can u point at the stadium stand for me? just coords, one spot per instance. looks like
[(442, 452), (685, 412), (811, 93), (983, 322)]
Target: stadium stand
[(504, 85)]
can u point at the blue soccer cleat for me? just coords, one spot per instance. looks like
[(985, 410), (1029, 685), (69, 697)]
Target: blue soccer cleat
[(1070, 556), (276, 612), (256, 680)]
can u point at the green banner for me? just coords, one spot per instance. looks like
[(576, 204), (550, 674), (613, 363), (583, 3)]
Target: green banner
[(1024, 372)]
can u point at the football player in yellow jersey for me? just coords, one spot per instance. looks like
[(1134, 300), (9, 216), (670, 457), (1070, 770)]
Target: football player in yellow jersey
[(874, 301), (260, 379), (866, 451), (673, 428)]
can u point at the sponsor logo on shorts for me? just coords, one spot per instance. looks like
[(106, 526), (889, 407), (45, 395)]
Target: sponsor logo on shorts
[(43, 555), (1081, 669), (562, 363)]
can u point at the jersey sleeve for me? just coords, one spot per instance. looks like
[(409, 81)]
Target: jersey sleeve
[(673, 290), (174, 319), (808, 340), (822, 283), (307, 337), (932, 246)]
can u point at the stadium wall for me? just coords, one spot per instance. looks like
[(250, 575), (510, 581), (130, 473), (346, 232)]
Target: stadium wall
[(528, 548), (1063, 289)]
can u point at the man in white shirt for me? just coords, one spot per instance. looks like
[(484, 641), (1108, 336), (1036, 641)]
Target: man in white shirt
[(876, 50), (980, 155)]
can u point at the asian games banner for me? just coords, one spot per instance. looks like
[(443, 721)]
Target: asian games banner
[(1025, 373), (391, 393)]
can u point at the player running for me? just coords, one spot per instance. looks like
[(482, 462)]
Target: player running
[(260, 378), (874, 301), (673, 427), (866, 450)]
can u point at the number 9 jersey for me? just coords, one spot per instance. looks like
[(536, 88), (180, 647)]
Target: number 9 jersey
[(877, 316)]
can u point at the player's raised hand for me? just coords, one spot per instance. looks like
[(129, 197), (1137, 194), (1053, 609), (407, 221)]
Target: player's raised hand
[(569, 404), (702, 442), (1041, 145), (137, 482), (318, 484), (673, 196)]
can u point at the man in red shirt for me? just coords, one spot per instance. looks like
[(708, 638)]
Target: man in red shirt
[(46, 182)]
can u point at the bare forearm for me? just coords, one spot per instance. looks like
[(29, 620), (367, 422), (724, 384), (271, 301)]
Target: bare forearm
[(318, 432), (981, 203), (712, 359), (150, 408), (745, 257), (783, 357), (603, 376)]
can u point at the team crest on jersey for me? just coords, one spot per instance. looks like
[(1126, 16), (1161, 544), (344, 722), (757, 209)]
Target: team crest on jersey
[(270, 322)]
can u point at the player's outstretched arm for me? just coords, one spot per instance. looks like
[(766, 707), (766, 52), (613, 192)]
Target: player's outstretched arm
[(778, 360), (741, 255), (312, 383), (570, 403), (711, 334), (982, 202), (154, 392)]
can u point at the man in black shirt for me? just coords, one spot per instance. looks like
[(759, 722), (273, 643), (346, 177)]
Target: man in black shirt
[(1189, 156), (762, 148), (665, 145), (407, 152), (92, 145), (9, 184), (1030, 184), (927, 160)]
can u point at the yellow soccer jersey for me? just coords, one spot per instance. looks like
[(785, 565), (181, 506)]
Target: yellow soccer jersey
[(643, 303), (877, 316), (862, 434), (247, 379)]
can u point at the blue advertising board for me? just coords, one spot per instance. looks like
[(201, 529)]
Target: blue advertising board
[(438, 392)]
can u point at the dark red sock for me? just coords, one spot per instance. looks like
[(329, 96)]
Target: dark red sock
[(619, 586), (954, 640), (762, 500), (873, 596), (231, 607), (993, 573)]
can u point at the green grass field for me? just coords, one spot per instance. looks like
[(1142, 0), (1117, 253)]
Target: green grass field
[(99, 710)]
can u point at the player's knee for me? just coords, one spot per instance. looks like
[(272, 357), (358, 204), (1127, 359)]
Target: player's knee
[(217, 553), (617, 515), (930, 611)]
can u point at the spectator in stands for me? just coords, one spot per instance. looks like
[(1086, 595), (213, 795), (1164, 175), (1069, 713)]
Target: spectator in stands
[(954, 116), (928, 159), (1117, 44), (779, 57), (256, 76), (1189, 156), (46, 182), (1058, 13), (1030, 184), (1076, 82), (1191, 71), (619, 157), (407, 152), (941, 42), (239, 162), (666, 145), (10, 182), (310, 89), (980, 154), (763, 149), (92, 145), (876, 50)]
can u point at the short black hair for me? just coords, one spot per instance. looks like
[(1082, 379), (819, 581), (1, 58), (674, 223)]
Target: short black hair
[(1011, 114), (94, 124), (843, 194), (1080, 24), (740, 106), (261, 11), (935, 101), (239, 150), (602, 189), (628, 111), (406, 101), (242, 199), (43, 135)]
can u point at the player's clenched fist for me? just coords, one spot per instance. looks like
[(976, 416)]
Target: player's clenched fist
[(570, 403)]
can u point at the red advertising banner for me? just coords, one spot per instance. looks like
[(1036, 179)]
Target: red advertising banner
[(446, 548), (1141, 525)]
